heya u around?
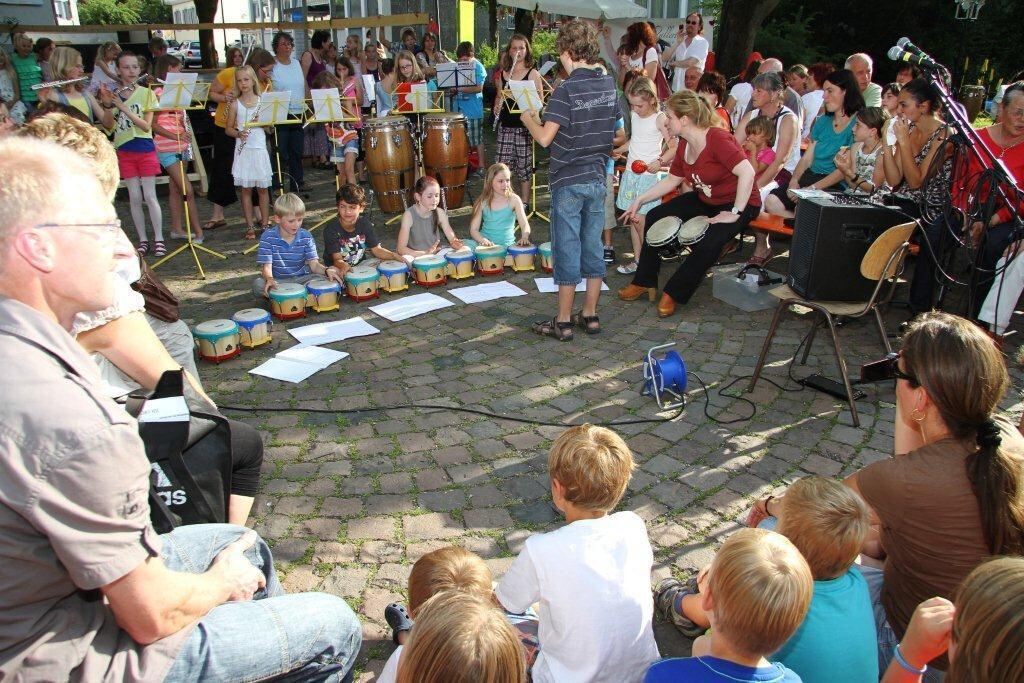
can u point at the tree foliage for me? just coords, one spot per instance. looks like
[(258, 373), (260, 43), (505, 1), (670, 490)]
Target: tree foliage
[(108, 12)]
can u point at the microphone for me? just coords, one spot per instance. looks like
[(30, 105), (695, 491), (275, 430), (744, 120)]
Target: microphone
[(905, 44), (898, 54)]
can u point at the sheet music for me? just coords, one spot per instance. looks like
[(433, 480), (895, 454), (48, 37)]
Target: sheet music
[(326, 104), (178, 91), (526, 95), (419, 96), (456, 74), (274, 102)]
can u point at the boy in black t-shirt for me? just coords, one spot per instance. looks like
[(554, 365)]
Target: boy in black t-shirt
[(346, 244)]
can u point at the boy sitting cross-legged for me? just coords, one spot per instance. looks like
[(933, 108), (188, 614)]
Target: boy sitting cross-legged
[(592, 576)]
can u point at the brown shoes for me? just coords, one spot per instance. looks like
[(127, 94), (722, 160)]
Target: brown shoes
[(633, 292), (666, 307)]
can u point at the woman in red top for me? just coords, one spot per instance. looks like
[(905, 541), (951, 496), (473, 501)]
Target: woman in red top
[(1006, 142), (717, 181)]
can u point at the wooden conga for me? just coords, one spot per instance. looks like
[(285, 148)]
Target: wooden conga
[(446, 155), (390, 159)]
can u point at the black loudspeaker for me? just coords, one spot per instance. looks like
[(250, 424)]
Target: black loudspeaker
[(830, 238)]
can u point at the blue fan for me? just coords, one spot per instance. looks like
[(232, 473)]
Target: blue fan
[(665, 378)]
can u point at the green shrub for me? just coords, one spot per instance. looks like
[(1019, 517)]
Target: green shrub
[(487, 54)]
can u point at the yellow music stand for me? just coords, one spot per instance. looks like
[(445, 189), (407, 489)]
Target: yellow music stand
[(419, 102), (331, 109), (507, 96), (184, 96)]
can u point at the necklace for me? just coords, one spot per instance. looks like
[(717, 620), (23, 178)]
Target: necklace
[(1010, 142)]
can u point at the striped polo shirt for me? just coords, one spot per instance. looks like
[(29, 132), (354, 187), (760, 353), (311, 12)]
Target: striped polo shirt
[(584, 107), (288, 260)]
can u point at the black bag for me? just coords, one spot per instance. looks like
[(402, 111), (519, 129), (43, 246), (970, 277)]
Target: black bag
[(190, 481)]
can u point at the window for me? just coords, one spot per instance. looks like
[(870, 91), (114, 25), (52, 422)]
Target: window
[(62, 9)]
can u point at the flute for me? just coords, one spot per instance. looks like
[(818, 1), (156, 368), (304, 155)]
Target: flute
[(118, 91), (57, 84), (255, 117)]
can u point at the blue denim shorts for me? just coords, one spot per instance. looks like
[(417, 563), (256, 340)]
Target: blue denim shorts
[(168, 159), (577, 219)]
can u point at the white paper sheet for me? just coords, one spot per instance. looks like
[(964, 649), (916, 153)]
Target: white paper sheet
[(314, 355), (369, 90), (527, 97), (273, 106), (326, 333), (410, 307), (486, 292), (170, 409), (419, 97), (546, 285), (177, 93), (806, 193), (286, 370), (326, 104), (456, 75), (548, 66)]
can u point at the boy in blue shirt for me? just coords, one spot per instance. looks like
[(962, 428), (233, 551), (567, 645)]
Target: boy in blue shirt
[(287, 253), (469, 100)]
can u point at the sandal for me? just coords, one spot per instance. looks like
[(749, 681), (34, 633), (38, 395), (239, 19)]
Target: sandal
[(667, 595), (214, 224), (759, 261), (250, 233), (398, 619), (589, 323), (553, 328), (143, 248), (159, 249)]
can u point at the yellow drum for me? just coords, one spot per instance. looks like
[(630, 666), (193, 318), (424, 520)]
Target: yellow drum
[(323, 295), (460, 263), (288, 301), (429, 270), (361, 283), (546, 261), (491, 260), (218, 340), (522, 258), (394, 276), (254, 326)]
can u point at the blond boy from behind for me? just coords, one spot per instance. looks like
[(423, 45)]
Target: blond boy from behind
[(592, 576)]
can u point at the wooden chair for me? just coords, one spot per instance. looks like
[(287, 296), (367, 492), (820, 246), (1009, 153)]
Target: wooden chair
[(882, 263)]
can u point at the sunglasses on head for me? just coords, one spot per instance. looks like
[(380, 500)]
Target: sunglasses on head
[(883, 370)]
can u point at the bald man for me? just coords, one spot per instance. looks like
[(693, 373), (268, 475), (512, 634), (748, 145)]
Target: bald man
[(88, 590)]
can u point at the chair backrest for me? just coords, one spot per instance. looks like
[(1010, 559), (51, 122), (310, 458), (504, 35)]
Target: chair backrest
[(878, 263)]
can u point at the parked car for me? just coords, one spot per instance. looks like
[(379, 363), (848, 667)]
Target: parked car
[(190, 54)]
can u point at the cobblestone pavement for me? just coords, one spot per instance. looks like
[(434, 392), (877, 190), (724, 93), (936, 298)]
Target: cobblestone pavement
[(350, 500)]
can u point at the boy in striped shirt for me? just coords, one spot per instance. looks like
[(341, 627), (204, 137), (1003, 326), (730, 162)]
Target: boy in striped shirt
[(288, 253)]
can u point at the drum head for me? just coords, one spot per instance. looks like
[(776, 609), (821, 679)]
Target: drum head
[(663, 231), (693, 230)]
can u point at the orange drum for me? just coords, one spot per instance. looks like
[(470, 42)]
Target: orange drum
[(387, 143), (446, 155)]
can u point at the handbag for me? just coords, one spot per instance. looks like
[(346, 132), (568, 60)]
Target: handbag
[(661, 83), (188, 444), (160, 302)]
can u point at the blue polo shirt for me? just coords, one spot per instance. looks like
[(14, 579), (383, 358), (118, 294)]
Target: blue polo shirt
[(287, 260), (584, 107)]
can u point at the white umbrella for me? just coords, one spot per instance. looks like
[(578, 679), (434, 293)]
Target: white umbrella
[(587, 9)]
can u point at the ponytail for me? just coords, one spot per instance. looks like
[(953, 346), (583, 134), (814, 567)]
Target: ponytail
[(995, 476)]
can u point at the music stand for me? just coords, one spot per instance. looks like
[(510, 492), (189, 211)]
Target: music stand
[(420, 101), (182, 93), (520, 96), (327, 106), (274, 112), (455, 75)]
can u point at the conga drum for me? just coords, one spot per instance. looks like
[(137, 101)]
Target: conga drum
[(973, 99), (446, 155), (391, 160)]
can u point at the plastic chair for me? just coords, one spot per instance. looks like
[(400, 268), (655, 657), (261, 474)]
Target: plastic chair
[(882, 263)]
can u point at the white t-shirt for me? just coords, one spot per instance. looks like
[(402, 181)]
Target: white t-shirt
[(593, 581), (650, 56), (812, 105), (389, 674), (740, 92), (698, 49)]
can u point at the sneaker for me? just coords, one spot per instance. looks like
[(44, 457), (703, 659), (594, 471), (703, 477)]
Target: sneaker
[(609, 255), (627, 269), (666, 594)]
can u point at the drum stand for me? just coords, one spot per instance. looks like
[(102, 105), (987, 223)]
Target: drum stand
[(190, 245)]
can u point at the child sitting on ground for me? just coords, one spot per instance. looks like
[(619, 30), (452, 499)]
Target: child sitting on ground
[(757, 593), (497, 210), (461, 638), (450, 569), (827, 522), (347, 243), (287, 253), (592, 576), (423, 223)]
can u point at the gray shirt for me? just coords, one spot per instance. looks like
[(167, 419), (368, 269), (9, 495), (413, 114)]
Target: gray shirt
[(74, 512), (584, 107)]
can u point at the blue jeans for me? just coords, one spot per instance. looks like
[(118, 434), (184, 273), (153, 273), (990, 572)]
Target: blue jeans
[(300, 637), (577, 219), (289, 140)]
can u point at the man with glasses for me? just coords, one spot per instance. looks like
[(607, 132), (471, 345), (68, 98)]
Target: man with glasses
[(88, 590), (691, 50)]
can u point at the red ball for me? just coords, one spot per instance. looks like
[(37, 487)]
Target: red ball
[(639, 167)]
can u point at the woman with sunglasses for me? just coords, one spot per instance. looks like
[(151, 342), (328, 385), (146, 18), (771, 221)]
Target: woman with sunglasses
[(691, 49), (953, 494)]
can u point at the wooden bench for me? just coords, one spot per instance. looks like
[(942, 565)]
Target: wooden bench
[(772, 225)]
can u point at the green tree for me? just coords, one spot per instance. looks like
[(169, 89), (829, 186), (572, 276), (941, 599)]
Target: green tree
[(154, 12), (107, 12)]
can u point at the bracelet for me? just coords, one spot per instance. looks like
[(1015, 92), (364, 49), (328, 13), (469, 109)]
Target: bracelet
[(906, 665), (768, 500)]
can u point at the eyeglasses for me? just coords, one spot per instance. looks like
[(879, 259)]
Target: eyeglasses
[(886, 369), (109, 230), (692, 23)]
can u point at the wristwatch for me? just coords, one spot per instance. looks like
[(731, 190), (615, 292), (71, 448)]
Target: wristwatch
[(736, 211)]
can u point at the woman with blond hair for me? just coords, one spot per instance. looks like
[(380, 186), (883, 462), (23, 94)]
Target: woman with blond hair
[(711, 163)]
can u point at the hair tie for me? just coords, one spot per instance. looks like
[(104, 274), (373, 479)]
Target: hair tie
[(989, 435)]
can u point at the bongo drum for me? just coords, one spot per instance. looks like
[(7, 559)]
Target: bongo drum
[(391, 161), (288, 301), (545, 257), (490, 260), (429, 270), (254, 326), (662, 237), (323, 295), (523, 258), (394, 276), (693, 230), (217, 340), (361, 283), (460, 263), (471, 245), (446, 155)]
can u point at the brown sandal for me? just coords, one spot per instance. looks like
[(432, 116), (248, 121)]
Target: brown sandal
[(553, 328), (590, 324), (250, 234)]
